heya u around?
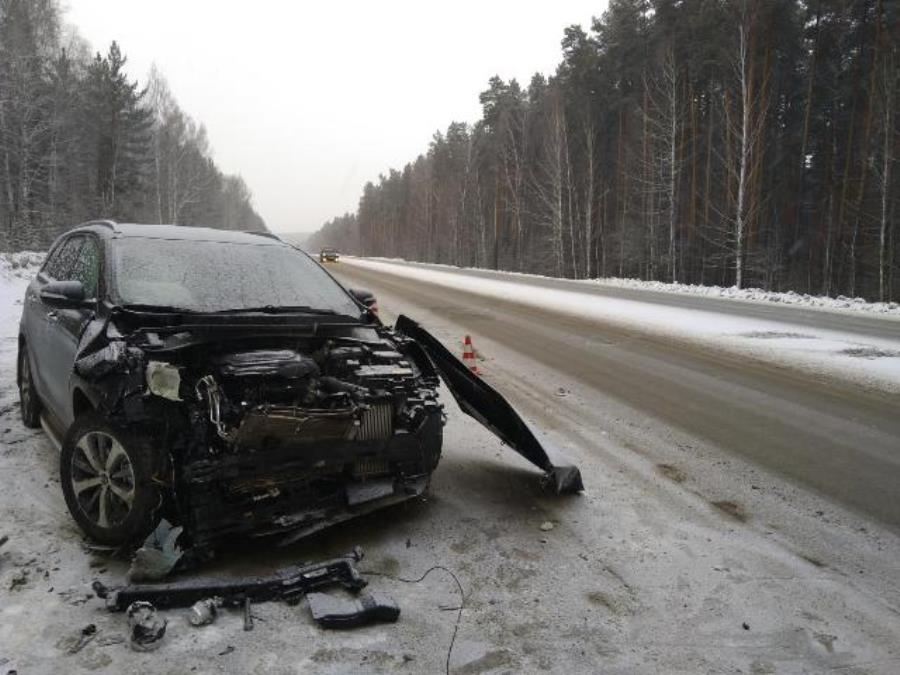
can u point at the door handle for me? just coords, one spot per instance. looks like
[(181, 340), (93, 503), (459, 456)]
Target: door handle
[(52, 316)]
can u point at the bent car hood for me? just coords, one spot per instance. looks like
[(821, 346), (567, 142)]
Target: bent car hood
[(479, 400)]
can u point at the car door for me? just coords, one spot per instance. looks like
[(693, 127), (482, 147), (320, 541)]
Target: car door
[(55, 355), (69, 324), (39, 320)]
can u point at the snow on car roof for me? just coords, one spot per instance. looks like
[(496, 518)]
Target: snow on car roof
[(185, 232)]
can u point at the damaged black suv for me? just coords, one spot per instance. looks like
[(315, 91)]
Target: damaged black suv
[(223, 379)]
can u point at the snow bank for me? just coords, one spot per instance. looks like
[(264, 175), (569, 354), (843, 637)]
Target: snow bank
[(16, 270), (871, 361), (838, 304), (20, 265), (756, 295)]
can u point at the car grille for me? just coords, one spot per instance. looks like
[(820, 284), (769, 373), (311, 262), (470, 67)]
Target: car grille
[(370, 466), (376, 423)]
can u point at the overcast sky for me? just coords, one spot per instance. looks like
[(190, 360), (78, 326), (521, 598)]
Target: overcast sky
[(309, 100)]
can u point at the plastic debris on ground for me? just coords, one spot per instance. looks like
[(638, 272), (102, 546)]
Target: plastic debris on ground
[(335, 612), (158, 555)]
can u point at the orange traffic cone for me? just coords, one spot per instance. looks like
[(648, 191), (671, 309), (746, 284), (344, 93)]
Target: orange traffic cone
[(469, 355)]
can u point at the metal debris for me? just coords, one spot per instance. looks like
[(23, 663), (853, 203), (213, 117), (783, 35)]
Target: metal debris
[(204, 612), (289, 583), (248, 614), (147, 629)]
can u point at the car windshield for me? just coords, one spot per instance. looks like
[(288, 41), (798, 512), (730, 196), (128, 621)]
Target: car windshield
[(208, 276)]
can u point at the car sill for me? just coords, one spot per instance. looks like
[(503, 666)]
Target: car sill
[(48, 429)]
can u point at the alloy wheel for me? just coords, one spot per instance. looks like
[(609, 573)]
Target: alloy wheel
[(102, 479)]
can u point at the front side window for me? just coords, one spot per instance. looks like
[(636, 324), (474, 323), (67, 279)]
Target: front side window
[(210, 276), (62, 261), (86, 268)]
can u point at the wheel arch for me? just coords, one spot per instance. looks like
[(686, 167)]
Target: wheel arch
[(19, 358), (81, 403)]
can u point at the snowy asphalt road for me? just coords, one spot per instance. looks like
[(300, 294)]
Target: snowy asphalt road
[(834, 438)]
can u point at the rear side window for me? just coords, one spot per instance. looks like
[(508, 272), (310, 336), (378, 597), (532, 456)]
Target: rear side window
[(86, 268), (62, 261)]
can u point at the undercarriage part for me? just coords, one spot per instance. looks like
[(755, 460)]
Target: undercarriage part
[(290, 584), (331, 612), (306, 523), (479, 400)]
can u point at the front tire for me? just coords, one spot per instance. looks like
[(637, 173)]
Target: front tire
[(107, 479), (29, 403)]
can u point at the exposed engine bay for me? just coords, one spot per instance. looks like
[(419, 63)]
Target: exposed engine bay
[(277, 429)]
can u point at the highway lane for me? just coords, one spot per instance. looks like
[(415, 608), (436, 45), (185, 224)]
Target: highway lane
[(863, 324), (841, 442)]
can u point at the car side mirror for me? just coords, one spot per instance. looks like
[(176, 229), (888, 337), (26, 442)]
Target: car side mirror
[(367, 298), (64, 294)]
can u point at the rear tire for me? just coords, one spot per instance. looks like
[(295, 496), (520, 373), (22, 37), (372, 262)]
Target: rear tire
[(107, 479), (29, 403)]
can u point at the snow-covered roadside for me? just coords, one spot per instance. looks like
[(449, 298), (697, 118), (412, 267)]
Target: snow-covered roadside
[(839, 304), (16, 270), (872, 362)]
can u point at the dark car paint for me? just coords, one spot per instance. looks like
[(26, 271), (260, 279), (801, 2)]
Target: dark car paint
[(56, 333)]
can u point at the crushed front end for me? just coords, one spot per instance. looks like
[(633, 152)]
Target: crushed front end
[(270, 428)]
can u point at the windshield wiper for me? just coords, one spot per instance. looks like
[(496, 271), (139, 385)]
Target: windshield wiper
[(145, 307), (278, 309)]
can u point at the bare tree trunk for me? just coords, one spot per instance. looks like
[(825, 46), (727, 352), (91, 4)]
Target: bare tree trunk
[(570, 215), (707, 180), (589, 197), (746, 82), (889, 79), (829, 216), (672, 85), (623, 194), (864, 165)]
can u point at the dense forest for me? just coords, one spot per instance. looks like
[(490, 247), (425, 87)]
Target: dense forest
[(729, 142), (79, 140)]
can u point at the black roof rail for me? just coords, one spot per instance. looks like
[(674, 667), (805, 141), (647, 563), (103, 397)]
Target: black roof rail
[(111, 224), (263, 233)]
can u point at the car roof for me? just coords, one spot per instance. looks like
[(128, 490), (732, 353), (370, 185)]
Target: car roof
[(116, 230)]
